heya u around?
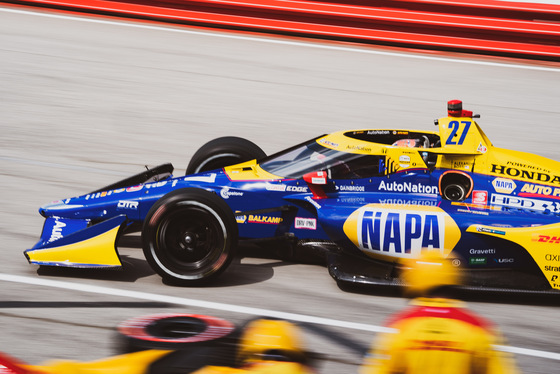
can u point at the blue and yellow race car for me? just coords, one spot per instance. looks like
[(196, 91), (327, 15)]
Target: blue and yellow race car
[(359, 202)]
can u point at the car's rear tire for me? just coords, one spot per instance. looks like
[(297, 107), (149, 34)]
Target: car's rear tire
[(224, 151), (171, 331), (189, 236)]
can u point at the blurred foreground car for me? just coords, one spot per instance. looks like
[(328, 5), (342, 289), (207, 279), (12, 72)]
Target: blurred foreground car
[(190, 343), (359, 202)]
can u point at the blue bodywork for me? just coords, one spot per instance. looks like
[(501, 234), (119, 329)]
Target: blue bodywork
[(363, 225)]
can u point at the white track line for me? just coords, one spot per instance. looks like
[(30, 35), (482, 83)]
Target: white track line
[(233, 308), (281, 41)]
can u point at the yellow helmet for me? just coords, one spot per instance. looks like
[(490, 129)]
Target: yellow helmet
[(429, 271), (269, 339)]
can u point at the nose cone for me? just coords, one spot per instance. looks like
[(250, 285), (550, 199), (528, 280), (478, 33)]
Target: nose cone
[(58, 207)]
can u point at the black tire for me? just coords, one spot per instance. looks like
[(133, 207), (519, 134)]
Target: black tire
[(172, 331), (189, 236), (221, 152)]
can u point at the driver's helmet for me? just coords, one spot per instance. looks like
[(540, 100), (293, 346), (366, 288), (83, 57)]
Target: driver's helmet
[(409, 143), (424, 142), (429, 272), (270, 340)]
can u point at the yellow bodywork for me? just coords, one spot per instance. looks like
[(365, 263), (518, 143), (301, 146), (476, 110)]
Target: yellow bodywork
[(131, 363), (270, 367), (248, 171), (139, 363), (98, 250), (541, 242)]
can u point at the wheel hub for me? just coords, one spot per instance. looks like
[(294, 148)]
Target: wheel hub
[(189, 241)]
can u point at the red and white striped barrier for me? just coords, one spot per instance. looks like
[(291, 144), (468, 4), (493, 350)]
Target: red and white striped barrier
[(488, 27)]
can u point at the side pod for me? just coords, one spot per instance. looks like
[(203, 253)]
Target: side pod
[(541, 242), (90, 247)]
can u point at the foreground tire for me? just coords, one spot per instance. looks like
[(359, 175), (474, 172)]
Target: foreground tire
[(222, 152), (189, 236), (172, 331)]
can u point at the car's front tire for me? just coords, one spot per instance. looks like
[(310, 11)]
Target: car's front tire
[(189, 236), (224, 151)]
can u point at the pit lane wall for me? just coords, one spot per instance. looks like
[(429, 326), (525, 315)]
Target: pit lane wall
[(500, 28)]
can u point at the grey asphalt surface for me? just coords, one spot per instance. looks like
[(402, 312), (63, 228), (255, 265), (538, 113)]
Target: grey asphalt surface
[(85, 102)]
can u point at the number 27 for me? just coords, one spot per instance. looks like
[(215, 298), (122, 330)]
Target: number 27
[(455, 126)]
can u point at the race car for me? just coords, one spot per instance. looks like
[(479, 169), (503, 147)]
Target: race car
[(192, 343), (358, 201)]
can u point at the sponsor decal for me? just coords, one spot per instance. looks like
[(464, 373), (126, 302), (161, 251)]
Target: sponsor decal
[(460, 165), (202, 178), (378, 132), (527, 166), (489, 230), (226, 193), (536, 190), (296, 189), (525, 174), (264, 219), (284, 188), (101, 194), (156, 184), (546, 239), (240, 218), (552, 268), (399, 231), (477, 260), (276, 187), (359, 148), (552, 257), (481, 148), (125, 204), (525, 203), (408, 202), (473, 211), (504, 260), (490, 251), (404, 161), (504, 185), (456, 262), (328, 143), (118, 190), (553, 280), (480, 197), (56, 232), (313, 202), (305, 223), (408, 187), (351, 188), (135, 188), (351, 200)]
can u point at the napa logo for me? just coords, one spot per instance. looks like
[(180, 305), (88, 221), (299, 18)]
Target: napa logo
[(504, 185), (390, 230)]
